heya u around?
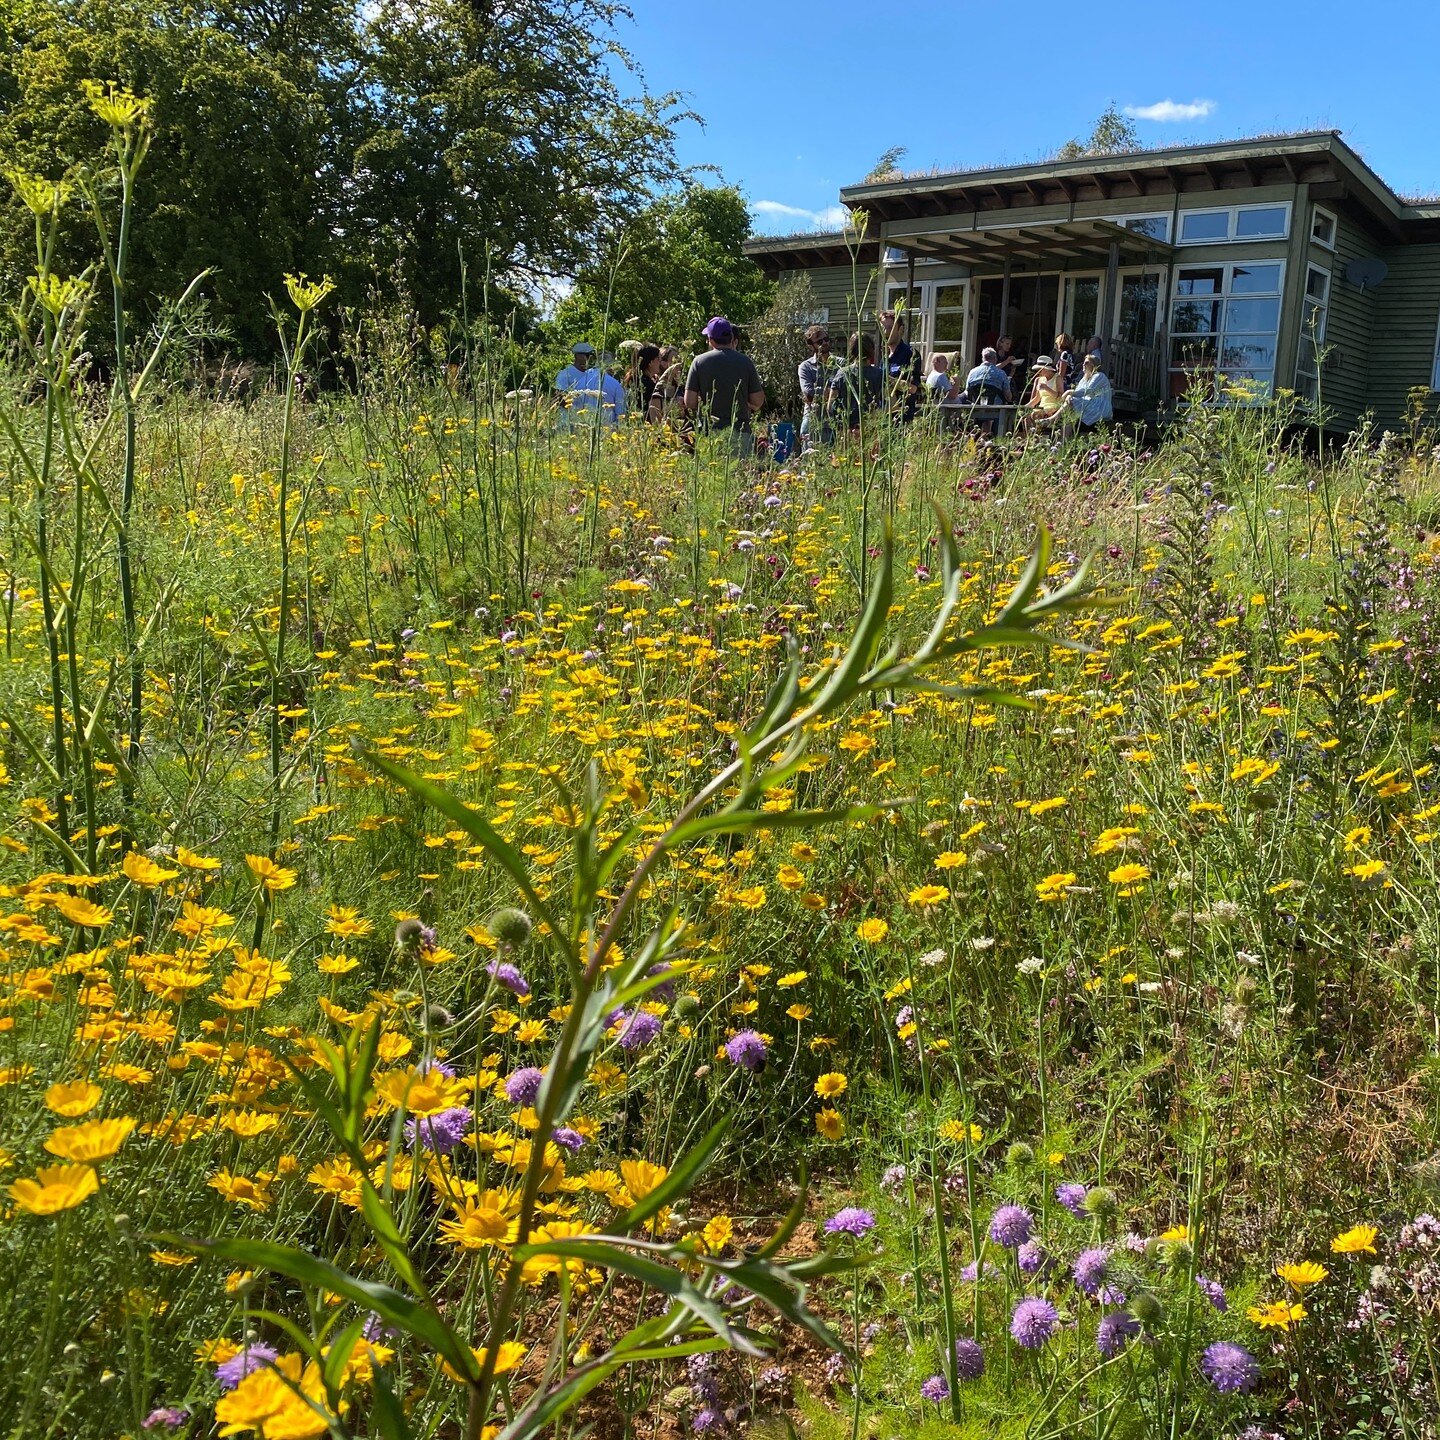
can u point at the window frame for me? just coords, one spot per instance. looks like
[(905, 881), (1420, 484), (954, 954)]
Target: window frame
[(1334, 220), (1124, 222), (1435, 368), (1221, 299), (1232, 214), (1301, 374)]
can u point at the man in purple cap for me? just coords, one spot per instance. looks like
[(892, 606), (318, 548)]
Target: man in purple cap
[(724, 389)]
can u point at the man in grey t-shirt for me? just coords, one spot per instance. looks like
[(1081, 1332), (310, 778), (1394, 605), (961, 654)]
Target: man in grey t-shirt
[(724, 388)]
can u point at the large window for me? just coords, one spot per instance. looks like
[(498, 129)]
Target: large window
[(1312, 331), (1157, 227), (1238, 222), (937, 309), (1223, 323)]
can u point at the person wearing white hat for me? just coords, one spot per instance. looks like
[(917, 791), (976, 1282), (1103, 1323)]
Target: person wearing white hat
[(582, 387)]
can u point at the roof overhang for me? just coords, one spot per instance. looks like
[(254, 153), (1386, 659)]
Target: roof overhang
[(776, 254), (1319, 159), (992, 246)]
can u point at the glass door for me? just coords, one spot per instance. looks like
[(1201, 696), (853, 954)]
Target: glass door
[(1080, 317), (1138, 309), (947, 319)]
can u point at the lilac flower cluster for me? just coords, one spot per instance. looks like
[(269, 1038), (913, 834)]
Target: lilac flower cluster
[(747, 1051), (1034, 1321), (441, 1132), (231, 1372), (1011, 1226), (523, 1086)]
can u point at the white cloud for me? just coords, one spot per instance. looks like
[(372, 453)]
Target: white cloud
[(796, 217), (1171, 110)]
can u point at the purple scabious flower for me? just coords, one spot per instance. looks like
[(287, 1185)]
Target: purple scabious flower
[(850, 1221), (970, 1273), (1030, 1257), (969, 1359), (1035, 1320), (1089, 1269), (377, 1329), (1230, 1368), (1115, 1331), (441, 1132), (568, 1139), (1071, 1194), (170, 1417), (1214, 1292), (508, 975), (249, 1357), (636, 1028), (936, 1388), (524, 1085), (665, 990), (747, 1050), (1111, 1295), (1010, 1226), (707, 1419)]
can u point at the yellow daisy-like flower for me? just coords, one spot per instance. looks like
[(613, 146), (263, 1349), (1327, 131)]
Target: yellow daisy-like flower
[(73, 1098), (830, 1123), (91, 1141), (1301, 1276), (144, 871), (925, 897), (1277, 1315), (55, 1188), (641, 1177), (1055, 887), (1129, 875), (872, 931), (718, 1232), (274, 1401), (271, 877), (950, 859), (1358, 1240), (831, 1084)]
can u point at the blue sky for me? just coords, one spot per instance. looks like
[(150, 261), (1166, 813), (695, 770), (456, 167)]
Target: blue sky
[(799, 99)]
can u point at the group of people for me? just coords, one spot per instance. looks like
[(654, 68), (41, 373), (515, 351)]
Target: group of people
[(1061, 394), (721, 390)]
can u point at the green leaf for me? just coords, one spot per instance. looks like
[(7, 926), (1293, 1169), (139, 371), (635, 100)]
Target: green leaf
[(400, 1310), (677, 1182), (386, 1414), (339, 1353), (657, 1275)]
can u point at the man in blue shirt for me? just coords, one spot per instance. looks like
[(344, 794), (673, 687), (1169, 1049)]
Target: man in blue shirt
[(987, 383), (581, 388)]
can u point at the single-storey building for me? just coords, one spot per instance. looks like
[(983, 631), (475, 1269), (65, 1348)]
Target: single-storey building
[(1284, 262)]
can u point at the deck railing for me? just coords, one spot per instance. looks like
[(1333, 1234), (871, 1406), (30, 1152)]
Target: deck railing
[(1136, 370)]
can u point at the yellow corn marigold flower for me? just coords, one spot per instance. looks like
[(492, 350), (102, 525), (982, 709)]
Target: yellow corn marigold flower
[(1056, 886), (1358, 1240), (872, 931), (489, 1219), (270, 876), (1130, 878), (91, 1141), (830, 1123), (924, 897), (718, 1232), (1276, 1314), (144, 871), (831, 1084), (1302, 1275), (73, 1098), (951, 859), (275, 1401), (55, 1188), (1366, 869), (641, 1177)]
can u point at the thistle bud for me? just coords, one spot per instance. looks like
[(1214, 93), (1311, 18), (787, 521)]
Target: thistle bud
[(1101, 1202), (1019, 1156), (1147, 1309), (437, 1017), (1179, 1254), (510, 926), (408, 934)]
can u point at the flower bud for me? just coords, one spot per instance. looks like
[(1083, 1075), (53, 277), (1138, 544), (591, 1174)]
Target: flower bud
[(408, 934), (1101, 1202), (1019, 1155), (1147, 1309), (509, 926), (1179, 1254)]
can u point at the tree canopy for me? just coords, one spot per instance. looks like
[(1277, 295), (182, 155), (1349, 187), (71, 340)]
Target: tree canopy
[(1113, 134), (380, 144), (677, 263)]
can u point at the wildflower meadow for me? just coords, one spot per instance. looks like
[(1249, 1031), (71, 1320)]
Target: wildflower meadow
[(513, 933)]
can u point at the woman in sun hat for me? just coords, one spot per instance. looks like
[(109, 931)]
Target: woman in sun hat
[(1045, 395)]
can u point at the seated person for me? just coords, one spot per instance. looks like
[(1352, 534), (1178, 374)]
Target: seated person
[(940, 384), (1089, 405), (1008, 360), (987, 383), (1045, 395)]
